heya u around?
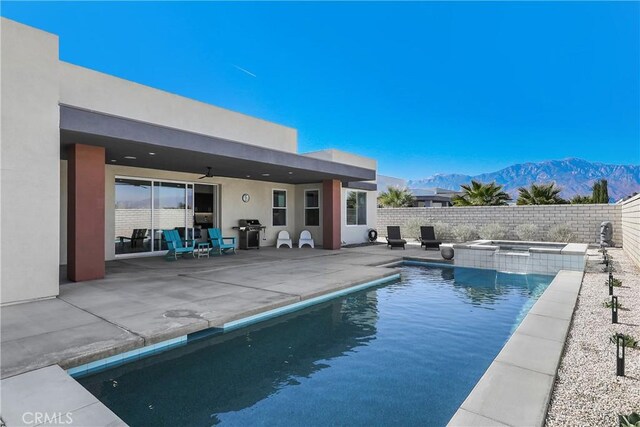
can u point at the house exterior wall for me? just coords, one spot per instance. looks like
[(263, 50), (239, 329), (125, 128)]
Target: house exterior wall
[(339, 156), (583, 220), (351, 234), (232, 206), (630, 215), (34, 180), (92, 90), (29, 163)]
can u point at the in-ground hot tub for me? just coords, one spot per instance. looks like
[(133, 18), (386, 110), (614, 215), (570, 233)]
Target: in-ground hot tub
[(521, 257)]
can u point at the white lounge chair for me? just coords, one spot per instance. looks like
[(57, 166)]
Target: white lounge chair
[(284, 239), (305, 239)]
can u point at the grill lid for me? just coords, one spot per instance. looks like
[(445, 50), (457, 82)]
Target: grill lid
[(249, 223)]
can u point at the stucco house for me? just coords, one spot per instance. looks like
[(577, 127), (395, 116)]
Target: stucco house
[(94, 167)]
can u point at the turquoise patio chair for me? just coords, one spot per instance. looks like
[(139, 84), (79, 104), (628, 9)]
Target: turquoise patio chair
[(217, 241), (175, 244)]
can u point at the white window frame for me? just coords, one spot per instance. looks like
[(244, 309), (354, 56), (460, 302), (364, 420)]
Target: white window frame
[(346, 217), (286, 207), (317, 190)]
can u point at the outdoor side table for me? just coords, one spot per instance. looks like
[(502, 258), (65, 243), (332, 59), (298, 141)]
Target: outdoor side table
[(203, 249)]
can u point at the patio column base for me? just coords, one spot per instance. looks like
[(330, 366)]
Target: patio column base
[(85, 213), (331, 219)]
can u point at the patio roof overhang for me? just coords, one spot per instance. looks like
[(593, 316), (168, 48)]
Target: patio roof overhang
[(182, 151)]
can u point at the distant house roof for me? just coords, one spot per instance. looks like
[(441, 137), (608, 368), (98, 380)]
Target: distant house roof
[(435, 198), (624, 199), (433, 192)]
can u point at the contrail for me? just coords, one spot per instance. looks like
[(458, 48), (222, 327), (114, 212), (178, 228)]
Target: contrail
[(244, 71)]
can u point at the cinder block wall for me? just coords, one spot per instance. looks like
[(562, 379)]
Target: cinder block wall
[(129, 219), (630, 214), (583, 220)]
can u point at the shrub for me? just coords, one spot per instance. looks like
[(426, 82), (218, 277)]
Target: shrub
[(628, 340), (615, 282), (395, 197), (411, 228), (608, 304), (443, 231), (464, 233), (493, 232), (561, 233), (631, 420), (527, 232)]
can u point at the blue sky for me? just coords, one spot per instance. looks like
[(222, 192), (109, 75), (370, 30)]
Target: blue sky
[(423, 87)]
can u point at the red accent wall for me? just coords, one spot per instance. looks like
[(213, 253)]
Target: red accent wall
[(331, 210), (85, 214)]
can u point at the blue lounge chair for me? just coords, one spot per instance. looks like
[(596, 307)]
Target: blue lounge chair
[(175, 244), (217, 241)]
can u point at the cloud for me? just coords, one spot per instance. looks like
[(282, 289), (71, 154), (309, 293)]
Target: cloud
[(244, 71)]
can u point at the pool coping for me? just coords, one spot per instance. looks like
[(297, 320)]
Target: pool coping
[(516, 388)]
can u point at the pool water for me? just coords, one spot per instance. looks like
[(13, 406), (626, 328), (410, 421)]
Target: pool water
[(405, 353)]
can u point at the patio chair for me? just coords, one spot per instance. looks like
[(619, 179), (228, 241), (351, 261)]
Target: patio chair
[(394, 238), (428, 238), (218, 242), (305, 239), (176, 246), (284, 239), (137, 235)]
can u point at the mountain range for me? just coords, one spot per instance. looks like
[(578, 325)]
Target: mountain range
[(574, 176)]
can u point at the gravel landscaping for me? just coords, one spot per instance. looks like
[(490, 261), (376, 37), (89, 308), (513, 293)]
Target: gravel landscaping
[(587, 391)]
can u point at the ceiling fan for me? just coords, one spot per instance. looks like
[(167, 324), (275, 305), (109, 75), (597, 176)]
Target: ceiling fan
[(209, 174)]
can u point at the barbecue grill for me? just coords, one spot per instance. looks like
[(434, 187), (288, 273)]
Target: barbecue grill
[(249, 230)]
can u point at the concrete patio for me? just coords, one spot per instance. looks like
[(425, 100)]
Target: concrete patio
[(143, 301)]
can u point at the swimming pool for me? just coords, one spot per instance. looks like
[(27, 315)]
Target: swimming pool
[(408, 352)]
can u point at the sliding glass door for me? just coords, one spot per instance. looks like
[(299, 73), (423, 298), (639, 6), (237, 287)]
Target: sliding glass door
[(143, 208)]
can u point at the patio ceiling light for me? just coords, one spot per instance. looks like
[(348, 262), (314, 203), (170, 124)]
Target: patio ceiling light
[(266, 174), (152, 154), (130, 157)]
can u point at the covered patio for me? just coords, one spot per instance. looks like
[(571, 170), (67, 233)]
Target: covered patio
[(143, 301), (104, 151)]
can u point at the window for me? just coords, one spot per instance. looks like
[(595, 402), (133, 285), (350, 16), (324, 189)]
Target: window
[(311, 208), (279, 208), (356, 208)]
